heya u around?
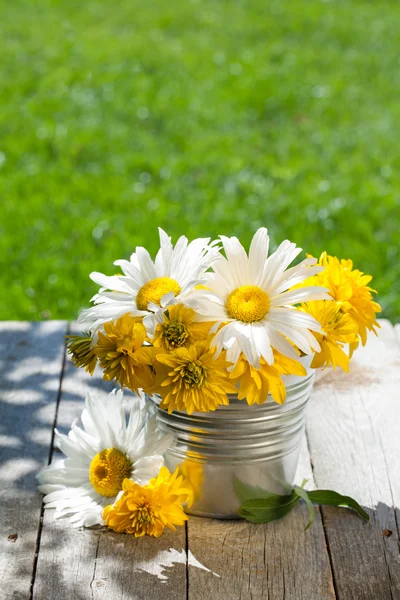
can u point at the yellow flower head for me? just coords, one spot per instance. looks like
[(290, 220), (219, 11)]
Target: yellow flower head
[(107, 471), (122, 355), (255, 384), (192, 379), (154, 290), (81, 351), (147, 510), (338, 329), (179, 329), (349, 288)]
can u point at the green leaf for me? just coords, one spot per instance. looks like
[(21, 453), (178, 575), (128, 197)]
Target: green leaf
[(331, 498), (245, 492), (272, 506), (265, 510), (304, 494)]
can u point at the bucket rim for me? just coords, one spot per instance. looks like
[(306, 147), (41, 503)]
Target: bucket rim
[(236, 405)]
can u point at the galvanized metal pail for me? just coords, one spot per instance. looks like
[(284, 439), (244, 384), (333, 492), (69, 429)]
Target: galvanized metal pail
[(237, 447)]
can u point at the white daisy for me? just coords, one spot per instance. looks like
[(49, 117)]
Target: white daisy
[(250, 296), (100, 455), (148, 287)]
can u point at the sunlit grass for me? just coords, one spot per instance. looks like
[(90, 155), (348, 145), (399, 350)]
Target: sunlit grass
[(203, 117)]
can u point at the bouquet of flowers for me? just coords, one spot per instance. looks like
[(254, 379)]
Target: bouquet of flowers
[(202, 322)]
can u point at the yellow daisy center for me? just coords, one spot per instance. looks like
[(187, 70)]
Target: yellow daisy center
[(154, 290), (107, 471), (144, 514), (193, 374), (247, 303), (175, 334)]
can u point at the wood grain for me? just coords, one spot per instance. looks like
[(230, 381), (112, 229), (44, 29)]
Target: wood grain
[(141, 568), (96, 564), (353, 431), (276, 561), (353, 436), (31, 359)]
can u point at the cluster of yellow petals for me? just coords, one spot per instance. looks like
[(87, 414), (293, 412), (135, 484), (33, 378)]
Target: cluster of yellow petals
[(80, 348), (176, 363), (254, 385), (193, 379), (148, 510), (121, 353), (179, 328), (338, 329), (349, 317)]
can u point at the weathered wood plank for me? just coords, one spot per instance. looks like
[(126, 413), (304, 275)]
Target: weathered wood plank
[(278, 561), (353, 431), (353, 436), (31, 359), (85, 563), (141, 568)]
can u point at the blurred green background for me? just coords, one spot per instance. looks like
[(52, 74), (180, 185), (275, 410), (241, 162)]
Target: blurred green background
[(203, 117)]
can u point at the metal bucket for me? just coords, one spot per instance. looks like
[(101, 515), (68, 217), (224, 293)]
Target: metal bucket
[(238, 447)]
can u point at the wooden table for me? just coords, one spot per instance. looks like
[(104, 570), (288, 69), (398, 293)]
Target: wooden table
[(352, 445)]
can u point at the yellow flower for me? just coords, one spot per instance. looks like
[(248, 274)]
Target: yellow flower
[(338, 329), (147, 510), (81, 351), (192, 379), (255, 384), (122, 355), (179, 329), (349, 288)]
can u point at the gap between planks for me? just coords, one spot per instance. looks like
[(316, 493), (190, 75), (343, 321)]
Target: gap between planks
[(31, 357), (359, 455), (51, 451)]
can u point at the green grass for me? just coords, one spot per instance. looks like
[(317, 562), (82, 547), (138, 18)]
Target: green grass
[(202, 117)]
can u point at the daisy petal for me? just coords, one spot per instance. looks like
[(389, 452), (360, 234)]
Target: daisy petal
[(281, 344), (262, 341), (237, 259), (147, 266), (302, 338), (164, 254), (258, 254), (300, 295), (147, 468), (130, 270), (293, 317)]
